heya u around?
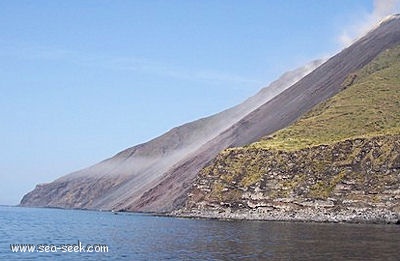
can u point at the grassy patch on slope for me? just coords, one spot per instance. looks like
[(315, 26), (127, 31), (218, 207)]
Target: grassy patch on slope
[(369, 106)]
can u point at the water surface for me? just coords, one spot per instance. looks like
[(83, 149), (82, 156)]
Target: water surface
[(144, 237)]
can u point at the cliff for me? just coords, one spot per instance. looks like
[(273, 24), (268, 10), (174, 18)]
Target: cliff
[(355, 180)]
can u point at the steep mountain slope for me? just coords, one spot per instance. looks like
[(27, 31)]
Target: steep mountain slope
[(126, 176), (340, 161), (155, 176)]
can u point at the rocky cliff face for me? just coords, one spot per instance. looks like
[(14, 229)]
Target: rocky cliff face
[(355, 180), (156, 175)]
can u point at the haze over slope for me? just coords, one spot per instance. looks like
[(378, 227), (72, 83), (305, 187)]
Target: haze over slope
[(130, 173), (155, 176)]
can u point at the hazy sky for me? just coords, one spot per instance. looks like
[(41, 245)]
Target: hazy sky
[(82, 80)]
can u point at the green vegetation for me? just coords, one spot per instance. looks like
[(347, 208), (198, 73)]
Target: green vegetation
[(368, 106)]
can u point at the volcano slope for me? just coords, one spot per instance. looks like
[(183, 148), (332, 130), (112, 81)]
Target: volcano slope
[(125, 177), (339, 162), (157, 175)]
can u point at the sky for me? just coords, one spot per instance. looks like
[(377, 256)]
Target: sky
[(83, 80)]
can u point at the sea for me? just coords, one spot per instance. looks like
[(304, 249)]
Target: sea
[(57, 234)]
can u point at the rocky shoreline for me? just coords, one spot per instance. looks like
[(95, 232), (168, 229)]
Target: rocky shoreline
[(320, 215)]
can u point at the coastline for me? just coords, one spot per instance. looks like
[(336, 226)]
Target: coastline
[(308, 215), (317, 215)]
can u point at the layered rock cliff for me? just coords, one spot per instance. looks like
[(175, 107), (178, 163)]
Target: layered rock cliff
[(356, 180)]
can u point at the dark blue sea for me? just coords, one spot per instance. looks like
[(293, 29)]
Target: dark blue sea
[(55, 234)]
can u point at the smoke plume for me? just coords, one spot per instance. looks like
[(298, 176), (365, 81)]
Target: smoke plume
[(381, 9)]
